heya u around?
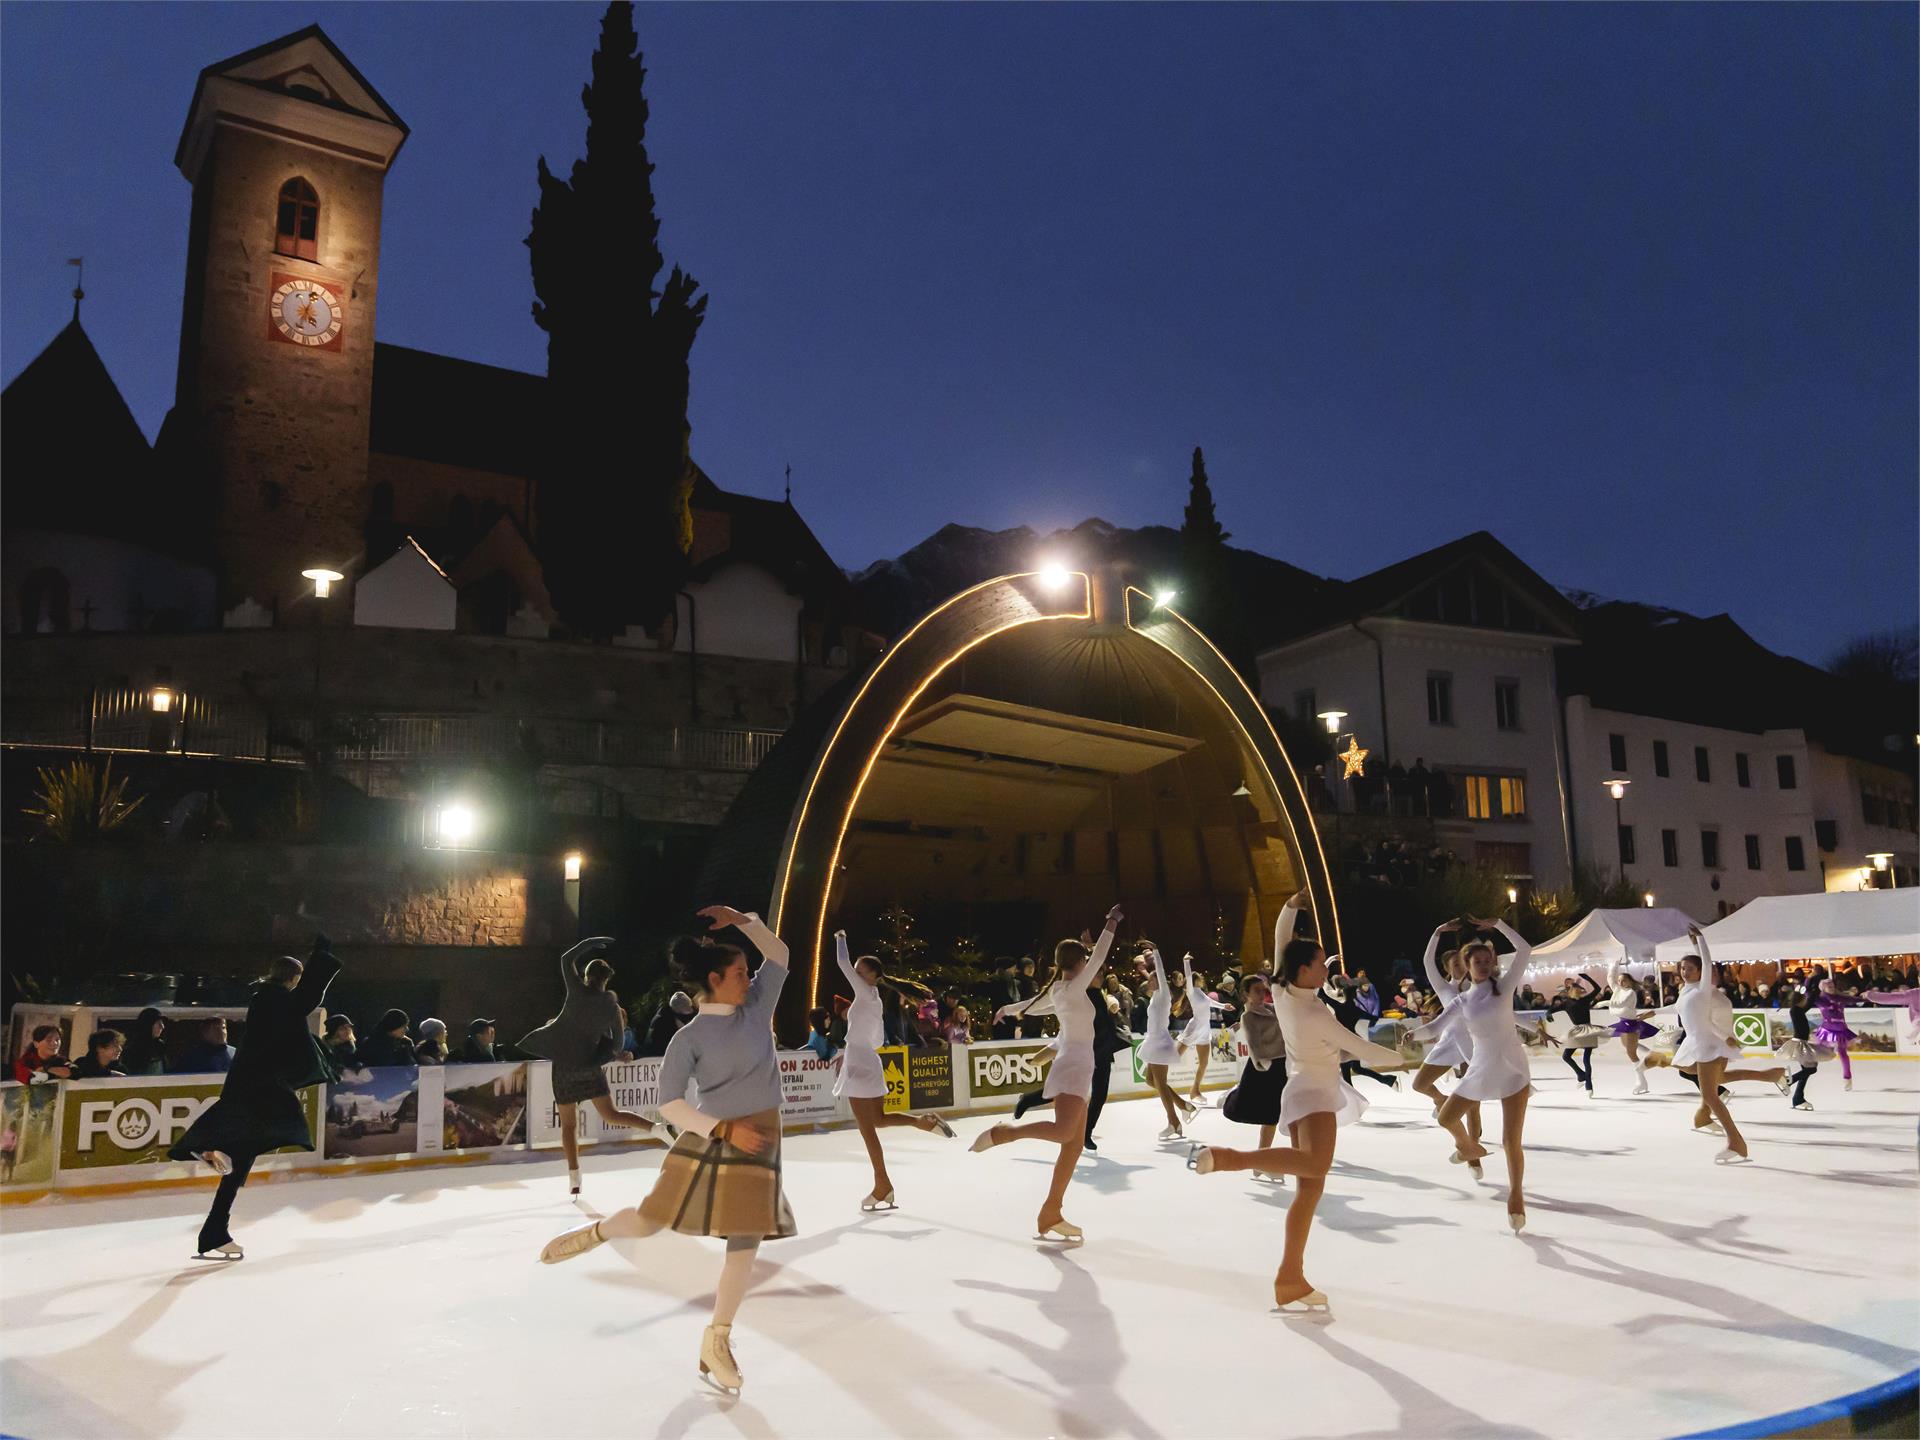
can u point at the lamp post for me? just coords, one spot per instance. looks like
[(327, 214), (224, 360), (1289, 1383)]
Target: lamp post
[(1618, 789), (1882, 861), (570, 875), (323, 580)]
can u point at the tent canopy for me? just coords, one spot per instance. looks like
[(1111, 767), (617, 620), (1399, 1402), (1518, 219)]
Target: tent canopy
[(1833, 926), (1610, 937)]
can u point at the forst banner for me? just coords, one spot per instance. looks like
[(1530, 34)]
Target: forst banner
[(1007, 1067), (111, 1123)]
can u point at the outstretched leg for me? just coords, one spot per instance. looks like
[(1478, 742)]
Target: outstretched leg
[(611, 1114)]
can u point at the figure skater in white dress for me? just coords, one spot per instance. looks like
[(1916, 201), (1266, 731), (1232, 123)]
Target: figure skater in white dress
[(1198, 1033), (1706, 1014), (1627, 1024), (1069, 1079), (862, 1079), (1314, 1105), (1158, 1049), (1452, 1046), (1499, 1069)]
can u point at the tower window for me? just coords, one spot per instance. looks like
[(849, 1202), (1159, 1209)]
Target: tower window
[(298, 229)]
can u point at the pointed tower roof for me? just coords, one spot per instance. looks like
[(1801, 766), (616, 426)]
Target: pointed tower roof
[(301, 83), (73, 455)]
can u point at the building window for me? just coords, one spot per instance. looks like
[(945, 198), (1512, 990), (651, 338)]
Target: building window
[(1495, 797), (1753, 852), (1873, 809), (1660, 759), (1626, 846), (1796, 853), (1826, 834), (1478, 806), (1440, 699), (1783, 764), (1617, 753), (1742, 776), (1670, 848), (298, 230), (1710, 849), (1506, 704), (1513, 797), (1306, 704), (1702, 767)]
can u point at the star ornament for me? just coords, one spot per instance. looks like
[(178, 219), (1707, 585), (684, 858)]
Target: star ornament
[(1353, 757)]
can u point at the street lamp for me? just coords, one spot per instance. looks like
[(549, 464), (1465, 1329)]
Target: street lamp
[(1164, 598), (1883, 862), (323, 579), (1647, 899), (570, 868), (1054, 575), (1331, 719), (571, 865), (1513, 895), (162, 699), (1618, 789), (456, 823)]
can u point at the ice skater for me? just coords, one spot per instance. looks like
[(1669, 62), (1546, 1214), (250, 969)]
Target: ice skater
[(1627, 1024), (1451, 1046), (1834, 1030), (1908, 998), (722, 1176), (862, 1079), (259, 1107), (1256, 1099), (1709, 1047), (1069, 1079), (1198, 1034), (1315, 1103), (1499, 1069), (1576, 1004), (1339, 999), (1110, 1037), (580, 1041), (1800, 1051), (1158, 1049)]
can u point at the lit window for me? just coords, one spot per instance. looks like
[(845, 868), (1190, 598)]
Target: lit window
[(1513, 796), (1477, 797)]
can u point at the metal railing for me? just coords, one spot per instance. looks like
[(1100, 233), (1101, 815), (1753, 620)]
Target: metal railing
[(123, 721)]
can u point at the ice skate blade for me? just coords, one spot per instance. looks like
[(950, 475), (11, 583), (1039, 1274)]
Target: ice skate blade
[(222, 1254), (732, 1392), (717, 1365), (1171, 1133), (1475, 1169), (1516, 1220), (1200, 1160), (942, 1128), (1269, 1179), (1803, 1105), (1311, 1303), (1063, 1232), (1846, 1084), (1731, 1156), (875, 1203), (217, 1159)]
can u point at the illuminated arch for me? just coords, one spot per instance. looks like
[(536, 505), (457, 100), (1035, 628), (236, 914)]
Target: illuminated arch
[(830, 794)]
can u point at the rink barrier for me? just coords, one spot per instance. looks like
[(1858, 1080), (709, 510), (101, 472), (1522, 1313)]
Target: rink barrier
[(110, 1136), (1891, 1408)]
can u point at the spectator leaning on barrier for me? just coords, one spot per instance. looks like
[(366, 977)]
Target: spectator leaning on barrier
[(210, 1054), (340, 1043), (432, 1046), (42, 1060), (817, 1040), (666, 1023), (479, 1047), (959, 1029), (388, 1045), (102, 1057), (146, 1051)]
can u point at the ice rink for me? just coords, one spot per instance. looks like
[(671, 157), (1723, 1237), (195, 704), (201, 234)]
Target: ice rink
[(1654, 1293)]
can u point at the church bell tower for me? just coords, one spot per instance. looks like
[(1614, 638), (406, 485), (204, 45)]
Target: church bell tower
[(287, 148)]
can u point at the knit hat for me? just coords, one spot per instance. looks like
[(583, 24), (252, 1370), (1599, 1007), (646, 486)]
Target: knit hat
[(680, 1003), (476, 1026), (431, 1027), (393, 1019)]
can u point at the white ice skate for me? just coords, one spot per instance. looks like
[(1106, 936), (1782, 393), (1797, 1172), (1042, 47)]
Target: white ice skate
[(1172, 1132), (226, 1251), (940, 1127), (576, 1241), (877, 1201), (1731, 1156)]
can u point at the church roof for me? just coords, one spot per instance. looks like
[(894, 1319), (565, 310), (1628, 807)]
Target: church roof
[(455, 412), (74, 457)]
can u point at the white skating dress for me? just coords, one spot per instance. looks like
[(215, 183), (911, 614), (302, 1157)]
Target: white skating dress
[(1707, 1016), (1199, 1029), (1156, 1045), (1452, 1045), (1498, 1067), (1315, 1042), (861, 1077), (1068, 999)]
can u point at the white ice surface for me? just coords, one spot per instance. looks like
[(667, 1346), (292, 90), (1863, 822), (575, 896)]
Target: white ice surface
[(1654, 1293)]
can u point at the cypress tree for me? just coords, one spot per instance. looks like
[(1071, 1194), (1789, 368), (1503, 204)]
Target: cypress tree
[(1207, 577), (614, 524)]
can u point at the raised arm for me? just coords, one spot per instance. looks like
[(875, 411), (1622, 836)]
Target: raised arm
[(1102, 946), (1283, 927), (846, 965), (1521, 958), (764, 989), (1430, 962), (321, 967), (1159, 968), (1041, 1004)]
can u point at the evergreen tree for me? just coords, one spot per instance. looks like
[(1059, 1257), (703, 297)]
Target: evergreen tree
[(614, 523), (1201, 529)]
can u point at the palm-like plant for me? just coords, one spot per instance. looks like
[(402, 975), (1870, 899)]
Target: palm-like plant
[(76, 802)]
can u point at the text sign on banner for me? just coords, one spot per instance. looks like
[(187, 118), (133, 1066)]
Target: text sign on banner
[(111, 1123), (893, 1066), (806, 1089), (930, 1078), (1007, 1067)]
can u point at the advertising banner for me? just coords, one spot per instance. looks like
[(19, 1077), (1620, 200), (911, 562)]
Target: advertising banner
[(27, 1149), (1751, 1032), (375, 1111), (1221, 1062), (483, 1107), (107, 1124), (918, 1079), (632, 1085), (1005, 1067), (806, 1085)]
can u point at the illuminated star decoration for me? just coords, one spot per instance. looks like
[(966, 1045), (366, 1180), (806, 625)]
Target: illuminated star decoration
[(1353, 757)]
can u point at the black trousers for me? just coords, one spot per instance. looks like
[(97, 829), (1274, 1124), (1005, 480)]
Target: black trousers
[(1096, 1099), (1800, 1083), (1351, 1068), (1580, 1061), (214, 1231)]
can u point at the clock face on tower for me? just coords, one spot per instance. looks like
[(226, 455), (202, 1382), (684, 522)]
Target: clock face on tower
[(304, 312)]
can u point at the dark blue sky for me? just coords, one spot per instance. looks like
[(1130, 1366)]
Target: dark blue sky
[(1631, 286)]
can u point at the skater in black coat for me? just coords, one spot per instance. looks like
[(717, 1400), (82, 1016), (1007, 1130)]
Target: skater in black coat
[(259, 1108)]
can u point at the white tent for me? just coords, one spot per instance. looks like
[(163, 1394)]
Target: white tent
[(1830, 926), (1610, 937)]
